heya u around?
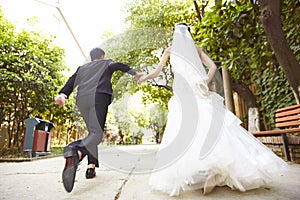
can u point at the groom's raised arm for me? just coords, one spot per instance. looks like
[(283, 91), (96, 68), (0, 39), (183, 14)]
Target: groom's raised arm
[(119, 66)]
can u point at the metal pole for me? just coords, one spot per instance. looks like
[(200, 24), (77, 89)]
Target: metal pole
[(56, 5)]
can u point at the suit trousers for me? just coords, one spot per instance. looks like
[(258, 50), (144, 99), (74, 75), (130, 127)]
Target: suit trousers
[(93, 109)]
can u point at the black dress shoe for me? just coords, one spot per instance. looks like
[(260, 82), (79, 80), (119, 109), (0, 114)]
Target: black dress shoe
[(90, 173), (69, 172)]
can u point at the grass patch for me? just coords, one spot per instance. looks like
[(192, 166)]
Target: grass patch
[(15, 152), (10, 153), (57, 150)]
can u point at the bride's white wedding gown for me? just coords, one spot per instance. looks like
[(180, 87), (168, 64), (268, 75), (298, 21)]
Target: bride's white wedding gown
[(206, 146)]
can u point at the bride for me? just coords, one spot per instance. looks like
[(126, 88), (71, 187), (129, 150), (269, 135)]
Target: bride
[(204, 145)]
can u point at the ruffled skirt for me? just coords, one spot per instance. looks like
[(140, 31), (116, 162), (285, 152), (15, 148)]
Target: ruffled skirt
[(235, 159)]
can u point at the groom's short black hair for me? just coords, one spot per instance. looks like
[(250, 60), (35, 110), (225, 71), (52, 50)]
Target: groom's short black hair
[(96, 53), (182, 23)]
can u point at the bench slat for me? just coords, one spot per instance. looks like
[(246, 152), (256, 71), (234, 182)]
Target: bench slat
[(286, 124), (287, 113), (288, 118), (276, 132), (288, 108)]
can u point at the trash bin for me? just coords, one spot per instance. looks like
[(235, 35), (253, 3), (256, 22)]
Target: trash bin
[(37, 137)]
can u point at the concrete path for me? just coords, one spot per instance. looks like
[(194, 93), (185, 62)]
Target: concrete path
[(125, 177)]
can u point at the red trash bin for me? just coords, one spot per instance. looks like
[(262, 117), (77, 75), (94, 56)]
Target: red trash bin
[(40, 141)]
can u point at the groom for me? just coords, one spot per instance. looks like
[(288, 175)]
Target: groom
[(94, 95)]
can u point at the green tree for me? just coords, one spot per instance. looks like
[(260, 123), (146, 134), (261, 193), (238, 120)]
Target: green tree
[(129, 119), (232, 34), (142, 44), (149, 33), (30, 73)]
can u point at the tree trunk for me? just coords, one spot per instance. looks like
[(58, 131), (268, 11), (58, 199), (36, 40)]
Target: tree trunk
[(270, 18), (227, 89)]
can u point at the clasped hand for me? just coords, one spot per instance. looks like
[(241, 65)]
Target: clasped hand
[(60, 100)]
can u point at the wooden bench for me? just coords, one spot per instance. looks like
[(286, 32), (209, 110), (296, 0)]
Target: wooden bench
[(287, 120)]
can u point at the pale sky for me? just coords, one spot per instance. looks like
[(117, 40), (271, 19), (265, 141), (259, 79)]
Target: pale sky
[(88, 19)]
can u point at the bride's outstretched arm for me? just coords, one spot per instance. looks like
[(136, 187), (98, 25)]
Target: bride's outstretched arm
[(163, 61), (209, 63)]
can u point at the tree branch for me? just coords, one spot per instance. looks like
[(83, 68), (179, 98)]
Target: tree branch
[(197, 11)]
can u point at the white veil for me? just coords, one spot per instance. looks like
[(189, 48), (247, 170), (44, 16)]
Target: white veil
[(187, 58), (187, 63)]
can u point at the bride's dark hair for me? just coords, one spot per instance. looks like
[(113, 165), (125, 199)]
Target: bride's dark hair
[(182, 23)]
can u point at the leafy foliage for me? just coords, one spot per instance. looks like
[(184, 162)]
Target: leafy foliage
[(30, 69), (233, 35), (141, 46), (30, 66), (290, 14)]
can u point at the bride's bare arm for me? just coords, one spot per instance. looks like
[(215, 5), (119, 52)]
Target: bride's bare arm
[(163, 61), (209, 63)]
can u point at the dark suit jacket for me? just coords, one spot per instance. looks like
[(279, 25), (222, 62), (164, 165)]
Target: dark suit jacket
[(94, 77)]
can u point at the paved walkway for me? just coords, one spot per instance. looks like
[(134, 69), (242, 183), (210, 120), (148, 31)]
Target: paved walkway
[(41, 179)]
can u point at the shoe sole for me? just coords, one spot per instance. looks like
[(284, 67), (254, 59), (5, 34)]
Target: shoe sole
[(90, 176), (69, 178), (69, 174)]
